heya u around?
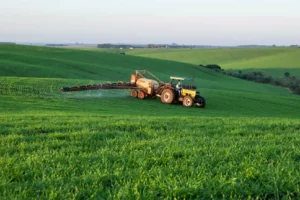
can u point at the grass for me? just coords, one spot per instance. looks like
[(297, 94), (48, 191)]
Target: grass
[(106, 145), (275, 61), (68, 156)]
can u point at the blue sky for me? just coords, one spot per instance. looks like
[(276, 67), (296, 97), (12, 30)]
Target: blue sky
[(207, 22)]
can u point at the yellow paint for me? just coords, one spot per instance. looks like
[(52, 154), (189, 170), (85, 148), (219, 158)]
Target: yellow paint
[(187, 92)]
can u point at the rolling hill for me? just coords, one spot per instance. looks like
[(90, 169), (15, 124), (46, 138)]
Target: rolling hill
[(43, 64), (107, 145), (275, 61)]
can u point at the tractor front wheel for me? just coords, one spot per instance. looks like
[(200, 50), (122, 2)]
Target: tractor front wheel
[(141, 95), (167, 96), (200, 101), (188, 101), (134, 93)]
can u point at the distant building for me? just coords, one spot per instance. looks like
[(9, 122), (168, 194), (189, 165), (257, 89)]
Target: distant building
[(157, 46)]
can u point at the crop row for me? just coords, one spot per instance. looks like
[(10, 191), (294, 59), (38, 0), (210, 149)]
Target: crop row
[(6, 89), (106, 157)]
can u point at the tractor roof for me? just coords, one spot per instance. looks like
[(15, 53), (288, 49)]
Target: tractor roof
[(179, 78)]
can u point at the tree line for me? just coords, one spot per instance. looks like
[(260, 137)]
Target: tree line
[(287, 81)]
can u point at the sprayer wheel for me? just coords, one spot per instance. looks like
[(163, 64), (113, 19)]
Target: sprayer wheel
[(141, 95), (134, 93)]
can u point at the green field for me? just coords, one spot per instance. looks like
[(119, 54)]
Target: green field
[(107, 145), (275, 61)]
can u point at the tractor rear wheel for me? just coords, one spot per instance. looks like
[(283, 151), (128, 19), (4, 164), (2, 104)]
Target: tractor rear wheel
[(167, 96), (134, 93), (188, 101), (141, 95)]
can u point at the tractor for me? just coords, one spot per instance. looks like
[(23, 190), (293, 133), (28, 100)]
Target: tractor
[(185, 94), (168, 92), (144, 84)]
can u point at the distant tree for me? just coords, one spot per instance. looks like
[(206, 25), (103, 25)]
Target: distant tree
[(276, 82), (287, 74), (297, 90), (213, 67), (104, 45)]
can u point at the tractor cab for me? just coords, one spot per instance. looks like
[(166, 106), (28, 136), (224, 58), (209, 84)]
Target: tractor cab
[(186, 86)]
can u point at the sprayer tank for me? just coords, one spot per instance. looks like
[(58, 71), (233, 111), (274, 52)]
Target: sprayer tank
[(147, 83)]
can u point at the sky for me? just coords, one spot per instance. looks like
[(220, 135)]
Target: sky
[(201, 22)]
